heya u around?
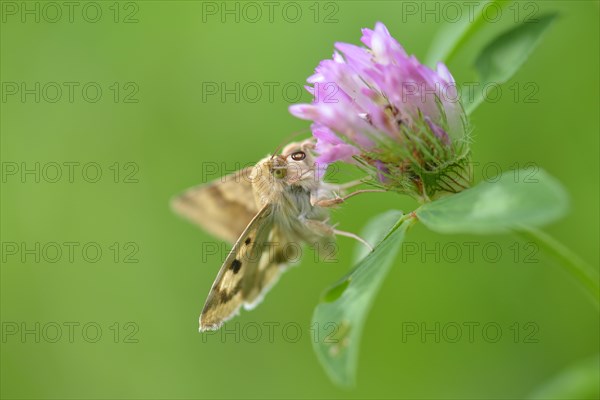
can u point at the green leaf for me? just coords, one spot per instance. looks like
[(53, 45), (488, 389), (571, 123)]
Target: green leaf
[(338, 320), (503, 56), (579, 381), (520, 201), (520, 198), (578, 269), (454, 35)]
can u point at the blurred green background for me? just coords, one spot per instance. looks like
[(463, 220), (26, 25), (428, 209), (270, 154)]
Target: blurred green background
[(165, 139)]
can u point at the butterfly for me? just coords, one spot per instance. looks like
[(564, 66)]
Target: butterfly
[(267, 211)]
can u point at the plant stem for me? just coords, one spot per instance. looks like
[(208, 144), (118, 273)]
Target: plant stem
[(411, 217), (576, 267)]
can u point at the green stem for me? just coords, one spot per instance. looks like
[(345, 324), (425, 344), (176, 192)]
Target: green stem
[(411, 217), (576, 267)]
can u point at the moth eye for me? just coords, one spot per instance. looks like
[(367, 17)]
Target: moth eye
[(298, 156)]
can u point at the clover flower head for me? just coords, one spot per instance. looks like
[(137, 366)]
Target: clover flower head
[(380, 108)]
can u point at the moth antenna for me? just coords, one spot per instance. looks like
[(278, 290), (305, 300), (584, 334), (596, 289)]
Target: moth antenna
[(288, 139)]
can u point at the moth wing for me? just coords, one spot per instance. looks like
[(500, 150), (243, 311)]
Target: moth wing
[(249, 271), (274, 261), (223, 207)]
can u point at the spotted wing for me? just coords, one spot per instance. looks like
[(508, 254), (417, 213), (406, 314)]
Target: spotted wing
[(251, 268)]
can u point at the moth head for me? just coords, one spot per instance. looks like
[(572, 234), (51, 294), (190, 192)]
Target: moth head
[(295, 165)]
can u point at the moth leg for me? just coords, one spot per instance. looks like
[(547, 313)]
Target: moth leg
[(322, 227), (344, 186), (327, 229), (339, 200), (353, 236)]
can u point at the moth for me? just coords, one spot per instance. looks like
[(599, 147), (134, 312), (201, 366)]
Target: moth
[(267, 211)]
